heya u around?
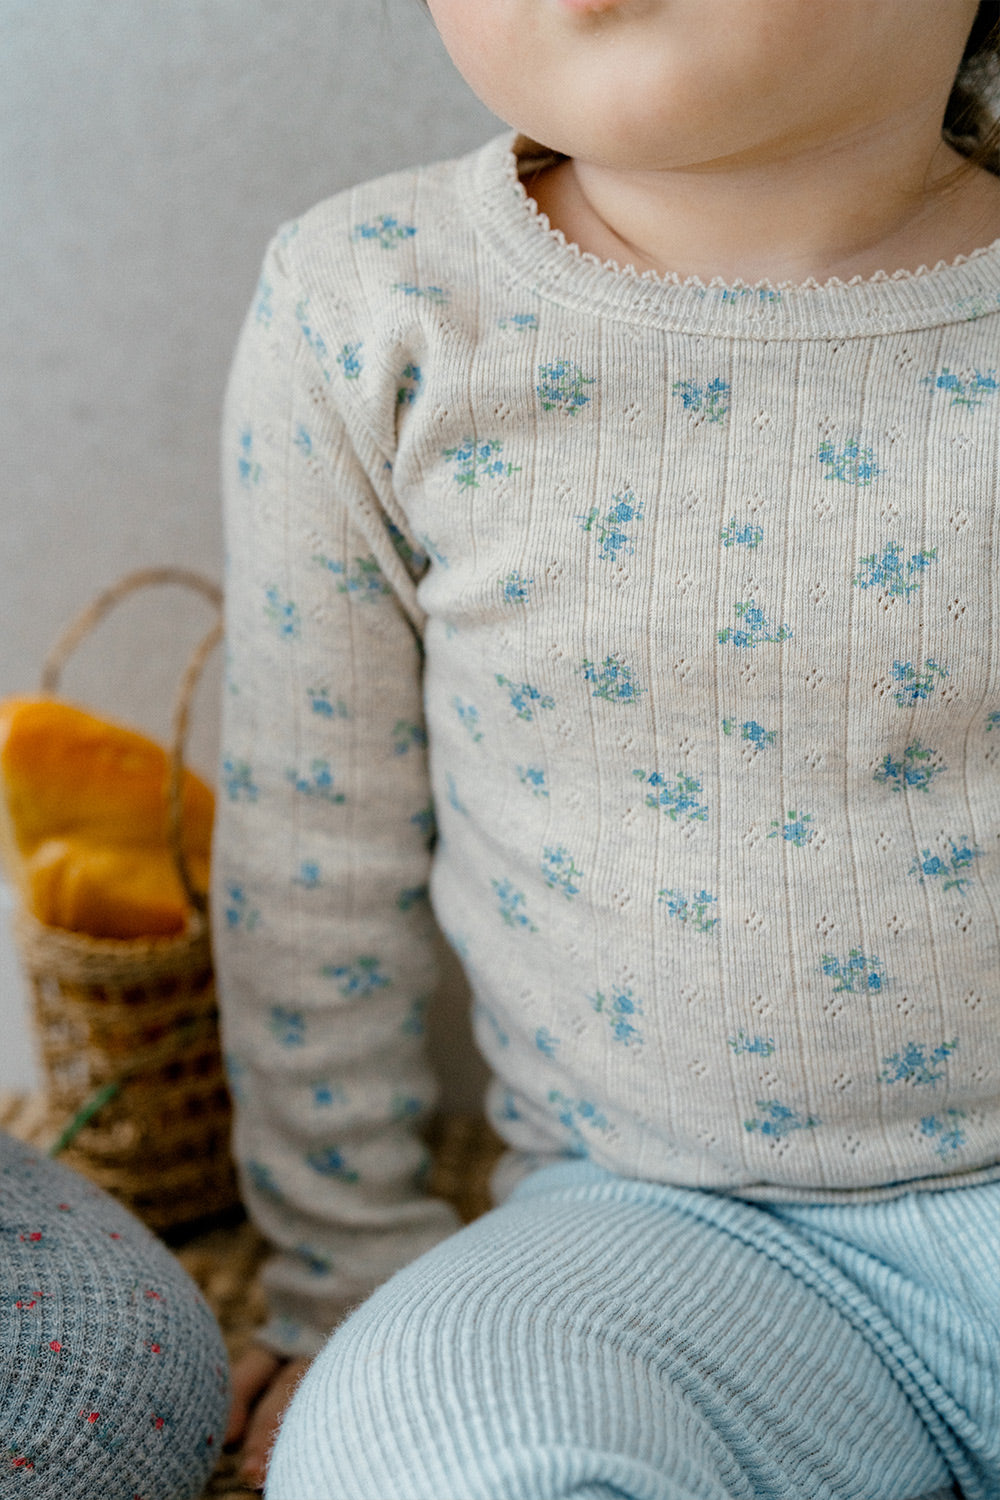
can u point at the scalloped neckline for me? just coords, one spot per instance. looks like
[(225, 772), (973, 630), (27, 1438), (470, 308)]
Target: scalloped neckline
[(517, 162)]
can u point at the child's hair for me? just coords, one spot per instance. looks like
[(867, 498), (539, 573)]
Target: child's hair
[(971, 123)]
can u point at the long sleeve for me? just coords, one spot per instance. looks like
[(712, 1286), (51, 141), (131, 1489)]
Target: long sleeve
[(323, 934)]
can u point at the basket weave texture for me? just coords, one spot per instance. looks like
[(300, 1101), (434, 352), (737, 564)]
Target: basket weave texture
[(128, 1028), (134, 1024)]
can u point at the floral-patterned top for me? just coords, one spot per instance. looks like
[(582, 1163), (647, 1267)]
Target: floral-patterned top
[(647, 632)]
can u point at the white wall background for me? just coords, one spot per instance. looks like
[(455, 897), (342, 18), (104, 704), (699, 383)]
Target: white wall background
[(148, 152)]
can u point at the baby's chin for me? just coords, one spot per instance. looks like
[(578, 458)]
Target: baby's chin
[(585, 6)]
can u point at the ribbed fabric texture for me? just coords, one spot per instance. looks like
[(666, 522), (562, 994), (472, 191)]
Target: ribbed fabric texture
[(705, 703), (597, 1337), (113, 1373), (601, 1338)]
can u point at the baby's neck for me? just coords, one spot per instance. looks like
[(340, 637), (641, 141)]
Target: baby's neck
[(839, 213)]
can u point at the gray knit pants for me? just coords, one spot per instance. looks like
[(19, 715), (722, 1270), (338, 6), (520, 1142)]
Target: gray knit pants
[(113, 1376)]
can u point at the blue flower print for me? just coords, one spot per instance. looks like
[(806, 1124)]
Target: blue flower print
[(916, 1065), (515, 588), (425, 823), (692, 911), (325, 1095), (238, 912), (262, 1180), (407, 735), (454, 800), (309, 877), (561, 387), (236, 1073), (282, 613), (433, 551), (436, 295), (965, 390), (993, 721), (415, 1021), (533, 777), (778, 1120), (677, 799), (303, 441), (612, 541), (410, 382), (741, 534), (754, 1046), (574, 1114), (349, 360), (946, 1133), (247, 467), (321, 703), (314, 1261), (318, 783), (711, 399), (475, 462), (894, 575), (358, 979), (739, 294), (385, 231), (314, 338), (414, 559), (796, 831), (411, 896), (755, 630), (525, 700), (850, 464), (331, 1163), (263, 311), (916, 683), (949, 873), (559, 871), (511, 903), (289, 1026), (518, 323), (855, 974), (612, 680), (751, 732), (237, 778), (469, 716), (915, 770), (621, 1009), (508, 1109), (977, 306), (362, 578), (481, 1014), (405, 1107), (546, 1042)]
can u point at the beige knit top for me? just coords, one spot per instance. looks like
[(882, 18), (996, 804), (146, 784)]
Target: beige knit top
[(672, 608)]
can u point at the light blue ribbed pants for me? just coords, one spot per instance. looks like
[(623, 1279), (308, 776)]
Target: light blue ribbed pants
[(600, 1338)]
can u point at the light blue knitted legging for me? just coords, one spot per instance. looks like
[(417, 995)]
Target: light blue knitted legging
[(599, 1338)]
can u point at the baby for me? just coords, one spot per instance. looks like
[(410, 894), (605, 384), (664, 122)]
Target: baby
[(612, 546)]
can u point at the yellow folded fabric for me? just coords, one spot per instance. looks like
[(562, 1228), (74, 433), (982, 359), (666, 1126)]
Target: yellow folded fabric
[(83, 822)]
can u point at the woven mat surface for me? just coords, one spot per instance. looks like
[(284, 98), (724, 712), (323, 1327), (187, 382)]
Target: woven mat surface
[(224, 1261)]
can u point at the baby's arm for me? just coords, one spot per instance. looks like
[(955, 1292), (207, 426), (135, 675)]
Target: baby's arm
[(324, 940)]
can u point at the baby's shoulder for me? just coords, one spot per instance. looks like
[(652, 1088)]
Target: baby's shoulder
[(369, 239)]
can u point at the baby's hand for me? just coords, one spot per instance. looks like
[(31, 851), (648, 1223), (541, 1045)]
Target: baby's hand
[(262, 1388)]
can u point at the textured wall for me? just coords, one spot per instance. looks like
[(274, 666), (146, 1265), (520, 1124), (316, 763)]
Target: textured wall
[(149, 151)]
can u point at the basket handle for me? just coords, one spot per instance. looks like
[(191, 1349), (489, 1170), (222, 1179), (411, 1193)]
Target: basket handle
[(75, 632)]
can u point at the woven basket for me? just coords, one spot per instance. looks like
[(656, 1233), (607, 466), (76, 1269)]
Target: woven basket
[(128, 1028)]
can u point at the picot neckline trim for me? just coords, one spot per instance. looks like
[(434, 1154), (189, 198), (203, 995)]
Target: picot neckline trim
[(533, 253)]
